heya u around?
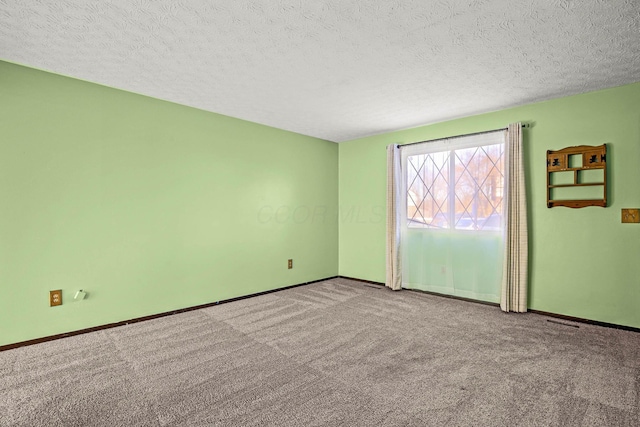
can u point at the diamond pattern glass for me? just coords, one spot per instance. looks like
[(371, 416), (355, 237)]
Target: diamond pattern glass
[(461, 189), (428, 190)]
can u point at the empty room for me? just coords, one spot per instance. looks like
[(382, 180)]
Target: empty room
[(319, 213)]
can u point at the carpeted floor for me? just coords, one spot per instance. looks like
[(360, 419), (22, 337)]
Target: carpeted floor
[(332, 353)]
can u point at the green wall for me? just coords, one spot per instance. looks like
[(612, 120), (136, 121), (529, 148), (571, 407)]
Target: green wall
[(151, 206), (147, 205), (583, 262)]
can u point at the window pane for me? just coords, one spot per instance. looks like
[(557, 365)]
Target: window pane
[(479, 184), (428, 190), (476, 190)]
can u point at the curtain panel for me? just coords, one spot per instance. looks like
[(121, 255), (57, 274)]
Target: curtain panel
[(394, 182), (516, 254)]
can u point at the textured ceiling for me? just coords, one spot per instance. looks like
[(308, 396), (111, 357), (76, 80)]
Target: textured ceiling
[(334, 69)]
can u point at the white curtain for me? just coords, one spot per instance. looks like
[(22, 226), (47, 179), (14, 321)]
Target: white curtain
[(452, 218), (394, 181), (515, 269)]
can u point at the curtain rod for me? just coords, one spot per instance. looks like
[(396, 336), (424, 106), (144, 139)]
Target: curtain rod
[(524, 125)]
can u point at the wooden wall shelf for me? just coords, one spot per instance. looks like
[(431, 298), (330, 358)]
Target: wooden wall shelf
[(577, 160)]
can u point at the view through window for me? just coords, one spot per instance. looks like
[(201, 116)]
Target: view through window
[(458, 189)]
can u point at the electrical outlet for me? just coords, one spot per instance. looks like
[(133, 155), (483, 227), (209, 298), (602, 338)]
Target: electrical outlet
[(290, 264), (630, 215), (55, 297)]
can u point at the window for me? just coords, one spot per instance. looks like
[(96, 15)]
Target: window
[(452, 241), (458, 188)]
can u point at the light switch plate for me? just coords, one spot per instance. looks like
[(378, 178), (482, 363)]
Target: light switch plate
[(631, 215)]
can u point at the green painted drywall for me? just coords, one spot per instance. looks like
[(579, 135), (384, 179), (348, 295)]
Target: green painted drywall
[(583, 262), (147, 205)]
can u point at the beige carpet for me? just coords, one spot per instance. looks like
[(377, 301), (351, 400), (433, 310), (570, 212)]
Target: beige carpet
[(334, 353)]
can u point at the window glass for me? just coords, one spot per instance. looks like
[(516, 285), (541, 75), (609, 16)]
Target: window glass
[(458, 189)]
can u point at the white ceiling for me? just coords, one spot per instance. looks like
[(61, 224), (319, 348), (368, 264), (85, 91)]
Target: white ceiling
[(334, 69)]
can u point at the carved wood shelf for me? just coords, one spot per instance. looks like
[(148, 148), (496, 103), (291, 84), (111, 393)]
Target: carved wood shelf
[(577, 160)]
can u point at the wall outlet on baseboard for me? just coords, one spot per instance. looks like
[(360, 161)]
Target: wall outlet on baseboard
[(290, 264)]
